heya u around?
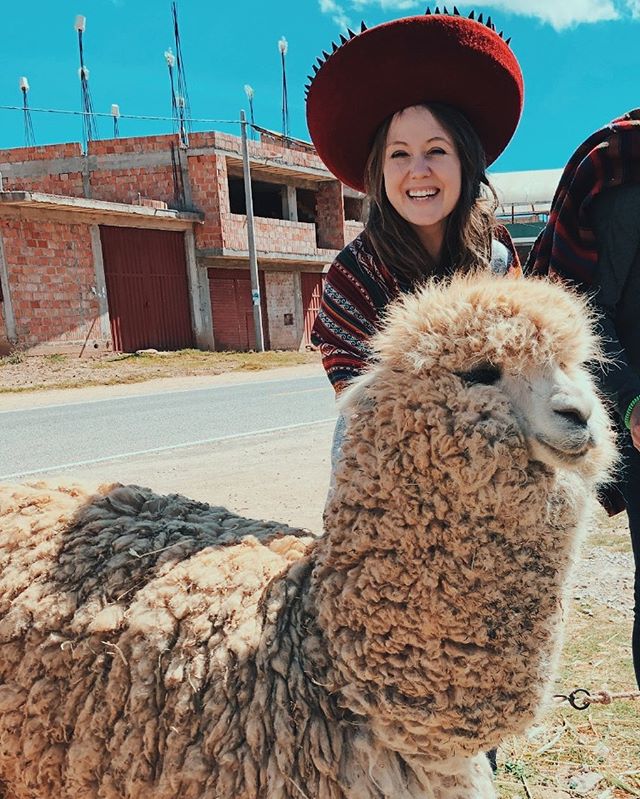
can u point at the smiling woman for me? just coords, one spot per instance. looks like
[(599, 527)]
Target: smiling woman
[(416, 139)]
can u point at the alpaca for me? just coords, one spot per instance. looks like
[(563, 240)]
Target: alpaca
[(155, 647)]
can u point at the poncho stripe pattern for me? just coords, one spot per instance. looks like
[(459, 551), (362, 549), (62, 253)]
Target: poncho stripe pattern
[(610, 157), (357, 290)]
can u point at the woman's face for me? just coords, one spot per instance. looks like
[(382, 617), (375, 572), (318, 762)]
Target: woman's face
[(422, 174)]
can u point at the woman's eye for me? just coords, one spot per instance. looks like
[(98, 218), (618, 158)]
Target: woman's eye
[(398, 154), (437, 151), (487, 375)]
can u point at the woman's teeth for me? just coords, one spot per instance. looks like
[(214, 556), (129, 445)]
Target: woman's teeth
[(421, 195)]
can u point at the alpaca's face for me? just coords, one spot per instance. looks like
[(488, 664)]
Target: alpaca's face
[(558, 413), (495, 362)]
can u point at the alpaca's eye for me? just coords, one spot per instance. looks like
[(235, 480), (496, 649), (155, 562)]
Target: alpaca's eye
[(487, 374)]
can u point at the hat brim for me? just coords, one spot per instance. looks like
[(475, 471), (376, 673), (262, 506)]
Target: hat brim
[(426, 59)]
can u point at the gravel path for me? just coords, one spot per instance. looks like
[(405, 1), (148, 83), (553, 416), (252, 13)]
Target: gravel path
[(605, 572)]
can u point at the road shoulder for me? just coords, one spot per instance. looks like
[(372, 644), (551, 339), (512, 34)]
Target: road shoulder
[(26, 400)]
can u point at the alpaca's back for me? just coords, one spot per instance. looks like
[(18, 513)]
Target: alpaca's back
[(125, 636)]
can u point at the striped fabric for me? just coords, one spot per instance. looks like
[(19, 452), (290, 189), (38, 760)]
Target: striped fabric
[(609, 157), (357, 290)]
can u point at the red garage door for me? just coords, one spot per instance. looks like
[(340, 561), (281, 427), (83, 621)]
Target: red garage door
[(147, 288), (312, 284), (232, 309)]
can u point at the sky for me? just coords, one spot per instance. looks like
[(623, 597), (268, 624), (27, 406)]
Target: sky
[(580, 60)]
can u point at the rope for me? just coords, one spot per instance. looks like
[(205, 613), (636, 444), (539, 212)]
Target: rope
[(580, 698)]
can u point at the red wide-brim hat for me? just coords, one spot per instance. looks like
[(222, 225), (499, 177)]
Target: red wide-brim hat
[(433, 58)]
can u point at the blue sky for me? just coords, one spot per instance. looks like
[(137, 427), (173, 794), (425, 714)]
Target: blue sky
[(580, 59)]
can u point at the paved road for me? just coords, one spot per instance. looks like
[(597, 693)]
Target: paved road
[(255, 443), (58, 437)]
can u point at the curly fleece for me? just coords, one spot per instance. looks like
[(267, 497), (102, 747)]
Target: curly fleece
[(154, 647)]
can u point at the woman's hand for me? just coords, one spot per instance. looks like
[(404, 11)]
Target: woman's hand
[(635, 426)]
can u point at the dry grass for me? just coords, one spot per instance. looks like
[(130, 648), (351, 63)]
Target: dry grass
[(32, 373), (569, 746)]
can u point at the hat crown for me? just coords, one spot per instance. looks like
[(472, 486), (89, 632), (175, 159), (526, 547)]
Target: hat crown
[(363, 28)]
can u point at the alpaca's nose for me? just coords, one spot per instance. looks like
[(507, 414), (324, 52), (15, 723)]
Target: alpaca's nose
[(575, 409), (574, 416)]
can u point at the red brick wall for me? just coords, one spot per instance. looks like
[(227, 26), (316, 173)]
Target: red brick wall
[(51, 276), (272, 235), (298, 153), (67, 183), (130, 185), (210, 193), (44, 153), (132, 145)]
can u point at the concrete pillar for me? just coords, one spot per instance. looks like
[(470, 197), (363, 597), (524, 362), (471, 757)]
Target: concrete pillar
[(289, 203), (330, 215), (101, 283), (199, 297), (9, 318)]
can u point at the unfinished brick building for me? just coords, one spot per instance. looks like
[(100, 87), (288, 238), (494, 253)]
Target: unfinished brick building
[(140, 243)]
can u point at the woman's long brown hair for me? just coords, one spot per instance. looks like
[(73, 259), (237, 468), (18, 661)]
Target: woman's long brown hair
[(468, 234)]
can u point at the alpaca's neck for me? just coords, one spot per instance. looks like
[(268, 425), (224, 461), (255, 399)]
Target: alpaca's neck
[(442, 614)]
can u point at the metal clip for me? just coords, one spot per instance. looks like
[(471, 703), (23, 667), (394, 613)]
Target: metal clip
[(574, 698)]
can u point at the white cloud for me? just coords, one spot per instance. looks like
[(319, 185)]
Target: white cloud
[(563, 14), (560, 14), (634, 8), (337, 12), (388, 5)]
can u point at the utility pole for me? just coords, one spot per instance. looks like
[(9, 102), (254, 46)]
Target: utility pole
[(253, 261)]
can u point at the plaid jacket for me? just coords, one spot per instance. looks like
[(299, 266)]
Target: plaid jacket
[(610, 157)]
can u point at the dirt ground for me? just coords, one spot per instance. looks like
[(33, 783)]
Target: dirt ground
[(19, 372)]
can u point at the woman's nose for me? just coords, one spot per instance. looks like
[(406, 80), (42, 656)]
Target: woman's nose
[(421, 166)]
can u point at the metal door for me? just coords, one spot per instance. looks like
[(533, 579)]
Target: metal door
[(147, 288), (232, 309)]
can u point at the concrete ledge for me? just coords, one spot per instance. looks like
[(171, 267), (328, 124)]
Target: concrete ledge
[(59, 202), (321, 257)]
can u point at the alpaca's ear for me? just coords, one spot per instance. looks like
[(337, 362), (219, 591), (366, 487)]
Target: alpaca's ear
[(356, 397)]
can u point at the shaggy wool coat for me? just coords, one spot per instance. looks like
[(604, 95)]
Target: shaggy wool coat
[(154, 647)]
